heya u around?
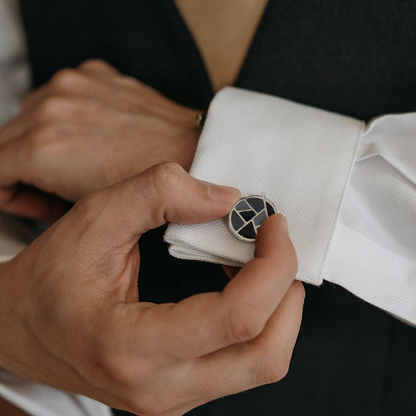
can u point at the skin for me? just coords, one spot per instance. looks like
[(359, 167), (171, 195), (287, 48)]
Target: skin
[(79, 325), (87, 128)]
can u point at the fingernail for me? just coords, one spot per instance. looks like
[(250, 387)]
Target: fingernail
[(284, 223), (224, 194)]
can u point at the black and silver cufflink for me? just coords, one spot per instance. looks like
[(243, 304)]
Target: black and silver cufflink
[(248, 214)]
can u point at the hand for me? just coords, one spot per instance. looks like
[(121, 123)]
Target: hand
[(86, 129), (70, 315)]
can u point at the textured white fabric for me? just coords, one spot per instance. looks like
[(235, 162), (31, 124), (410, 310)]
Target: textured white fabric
[(251, 141), (373, 253), (356, 229), (39, 400), (14, 68)]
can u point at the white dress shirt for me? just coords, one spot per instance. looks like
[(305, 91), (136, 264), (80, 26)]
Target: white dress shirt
[(347, 189), (14, 68), (34, 398)]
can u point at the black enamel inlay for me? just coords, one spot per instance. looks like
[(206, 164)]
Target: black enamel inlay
[(248, 231), (256, 203), (236, 221), (270, 209), (260, 218), (242, 206), (247, 215)]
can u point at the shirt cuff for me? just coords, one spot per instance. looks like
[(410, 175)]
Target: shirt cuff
[(298, 156), (39, 400), (373, 250)]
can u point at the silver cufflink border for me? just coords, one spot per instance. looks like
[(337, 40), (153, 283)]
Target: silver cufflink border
[(233, 209)]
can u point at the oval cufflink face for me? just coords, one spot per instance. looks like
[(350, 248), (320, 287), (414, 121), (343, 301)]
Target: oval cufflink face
[(248, 214)]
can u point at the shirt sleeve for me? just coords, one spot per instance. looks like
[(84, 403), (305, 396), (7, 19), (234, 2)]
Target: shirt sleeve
[(39, 400), (348, 190), (14, 83), (14, 67)]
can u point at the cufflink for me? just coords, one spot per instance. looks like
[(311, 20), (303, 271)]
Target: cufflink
[(248, 214)]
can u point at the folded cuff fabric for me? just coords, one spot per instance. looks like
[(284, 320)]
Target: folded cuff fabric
[(305, 159)]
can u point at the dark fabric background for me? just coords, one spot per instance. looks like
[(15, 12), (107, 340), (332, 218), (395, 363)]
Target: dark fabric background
[(354, 57)]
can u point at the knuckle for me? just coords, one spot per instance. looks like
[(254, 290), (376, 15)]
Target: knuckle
[(95, 64), (66, 80), (51, 108), (244, 324), (39, 151), (129, 81), (166, 176), (47, 141), (272, 369)]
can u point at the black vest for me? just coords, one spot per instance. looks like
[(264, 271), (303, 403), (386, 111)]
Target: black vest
[(355, 57)]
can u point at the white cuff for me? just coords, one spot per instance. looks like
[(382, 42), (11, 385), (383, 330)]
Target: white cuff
[(39, 400), (373, 251), (298, 156)]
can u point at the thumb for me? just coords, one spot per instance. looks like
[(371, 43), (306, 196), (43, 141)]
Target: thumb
[(165, 192)]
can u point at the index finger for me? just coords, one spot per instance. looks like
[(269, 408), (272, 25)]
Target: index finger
[(271, 272), (209, 322)]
